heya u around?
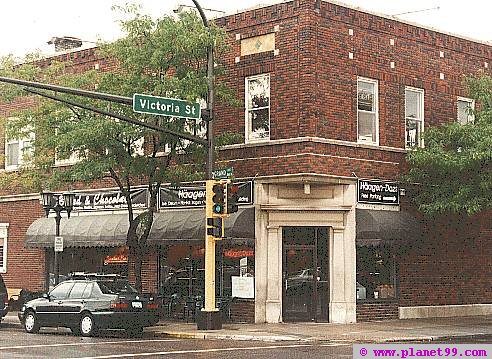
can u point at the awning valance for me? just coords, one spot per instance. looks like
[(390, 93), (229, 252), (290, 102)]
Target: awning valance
[(110, 230), (386, 227)]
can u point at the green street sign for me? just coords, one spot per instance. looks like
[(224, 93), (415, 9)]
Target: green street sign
[(223, 173), (173, 107)]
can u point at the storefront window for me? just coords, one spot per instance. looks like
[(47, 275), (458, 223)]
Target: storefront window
[(182, 269), (376, 273)]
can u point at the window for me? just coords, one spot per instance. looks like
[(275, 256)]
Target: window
[(367, 111), (414, 117), (61, 291), (257, 104), (464, 110), (377, 273), (18, 151), (3, 247), (77, 290)]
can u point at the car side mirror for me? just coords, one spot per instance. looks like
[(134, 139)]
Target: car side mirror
[(46, 296)]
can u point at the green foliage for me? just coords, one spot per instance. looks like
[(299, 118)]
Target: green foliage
[(453, 173)]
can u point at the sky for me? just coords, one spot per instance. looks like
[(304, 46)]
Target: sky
[(27, 25)]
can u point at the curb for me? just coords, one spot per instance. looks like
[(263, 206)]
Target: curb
[(239, 337)]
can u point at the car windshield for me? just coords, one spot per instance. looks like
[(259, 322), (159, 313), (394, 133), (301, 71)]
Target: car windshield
[(116, 287)]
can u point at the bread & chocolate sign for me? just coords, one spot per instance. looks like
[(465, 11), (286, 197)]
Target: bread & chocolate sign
[(378, 192)]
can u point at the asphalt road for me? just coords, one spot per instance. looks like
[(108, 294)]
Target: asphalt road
[(59, 343)]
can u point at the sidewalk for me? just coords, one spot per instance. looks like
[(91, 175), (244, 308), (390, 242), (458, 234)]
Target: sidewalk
[(380, 331)]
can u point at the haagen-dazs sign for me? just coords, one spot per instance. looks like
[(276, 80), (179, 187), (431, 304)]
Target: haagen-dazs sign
[(378, 192), (110, 200), (181, 197)]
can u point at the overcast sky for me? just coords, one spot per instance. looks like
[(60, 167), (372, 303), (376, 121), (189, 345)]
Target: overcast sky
[(27, 25)]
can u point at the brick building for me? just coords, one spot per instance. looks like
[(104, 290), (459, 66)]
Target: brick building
[(333, 98)]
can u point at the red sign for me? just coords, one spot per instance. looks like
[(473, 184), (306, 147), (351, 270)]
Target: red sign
[(116, 259), (239, 253)]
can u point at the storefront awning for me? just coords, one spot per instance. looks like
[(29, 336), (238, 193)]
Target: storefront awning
[(386, 227), (110, 230)]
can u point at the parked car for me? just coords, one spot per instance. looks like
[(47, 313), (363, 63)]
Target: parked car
[(87, 305), (4, 299)]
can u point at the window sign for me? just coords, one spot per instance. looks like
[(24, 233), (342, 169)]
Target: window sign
[(243, 287), (378, 192)]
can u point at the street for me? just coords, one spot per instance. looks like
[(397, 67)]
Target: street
[(59, 343)]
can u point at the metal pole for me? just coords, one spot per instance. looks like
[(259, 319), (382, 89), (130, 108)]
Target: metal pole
[(212, 314), (57, 234)]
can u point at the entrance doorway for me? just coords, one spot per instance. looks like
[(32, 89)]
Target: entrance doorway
[(305, 274)]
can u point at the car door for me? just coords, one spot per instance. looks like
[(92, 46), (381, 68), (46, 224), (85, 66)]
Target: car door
[(48, 311), (72, 305)]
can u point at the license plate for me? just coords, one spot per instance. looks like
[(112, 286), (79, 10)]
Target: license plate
[(137, 304)]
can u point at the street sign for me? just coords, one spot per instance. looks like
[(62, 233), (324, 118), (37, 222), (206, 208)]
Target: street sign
[(173, 107), (58, 244), (223, 173), (378, 192)]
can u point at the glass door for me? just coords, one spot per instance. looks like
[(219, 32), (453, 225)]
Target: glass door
[(305, 274)]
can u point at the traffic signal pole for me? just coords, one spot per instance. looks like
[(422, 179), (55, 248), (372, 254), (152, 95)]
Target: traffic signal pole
[(210, 317)]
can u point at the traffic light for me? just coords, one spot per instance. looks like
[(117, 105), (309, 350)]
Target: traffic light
[(232, 197), (218, 200), (215, 227)]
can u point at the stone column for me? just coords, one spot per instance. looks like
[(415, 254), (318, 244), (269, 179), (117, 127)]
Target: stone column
[(340, 275), (274, 280)]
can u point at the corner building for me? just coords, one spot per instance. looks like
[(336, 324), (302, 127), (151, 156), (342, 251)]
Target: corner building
[(333, 99)]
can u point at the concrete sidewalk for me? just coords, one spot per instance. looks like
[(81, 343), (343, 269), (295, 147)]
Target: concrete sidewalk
[(379, 331)]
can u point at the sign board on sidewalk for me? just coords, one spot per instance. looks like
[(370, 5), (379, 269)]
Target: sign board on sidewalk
[(173, 107), (58, 244), (378, 192)]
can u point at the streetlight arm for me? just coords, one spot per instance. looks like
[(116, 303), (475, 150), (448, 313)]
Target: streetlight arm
[(202, 13)]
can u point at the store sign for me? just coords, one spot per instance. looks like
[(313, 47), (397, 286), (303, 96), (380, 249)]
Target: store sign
[(110, 200), (238, 253), (116, 259), (243, 287), (378, 192), (182, 197)]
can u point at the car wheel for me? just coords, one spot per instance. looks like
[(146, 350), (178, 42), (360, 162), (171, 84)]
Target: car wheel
[(87, 325), (31, 324)]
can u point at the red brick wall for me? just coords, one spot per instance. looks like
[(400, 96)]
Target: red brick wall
[(149, 271), (452, 265), (313, 83), (366, 312), (25, 267)]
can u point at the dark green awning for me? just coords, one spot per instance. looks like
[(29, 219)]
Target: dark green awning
[(109, 230)]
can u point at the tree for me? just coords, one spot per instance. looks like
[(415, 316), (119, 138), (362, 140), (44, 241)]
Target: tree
[(164, 57), (453, 172)]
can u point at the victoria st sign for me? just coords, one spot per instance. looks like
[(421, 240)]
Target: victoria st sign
[(163, 106), (378, 192)]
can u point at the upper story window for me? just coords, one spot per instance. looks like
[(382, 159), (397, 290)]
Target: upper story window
[(414, 117), (367, 111), (257, 104), (464, 110), (18, 151)]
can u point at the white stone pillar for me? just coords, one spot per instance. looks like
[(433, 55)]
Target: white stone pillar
[(339, 298), (274, 280)]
